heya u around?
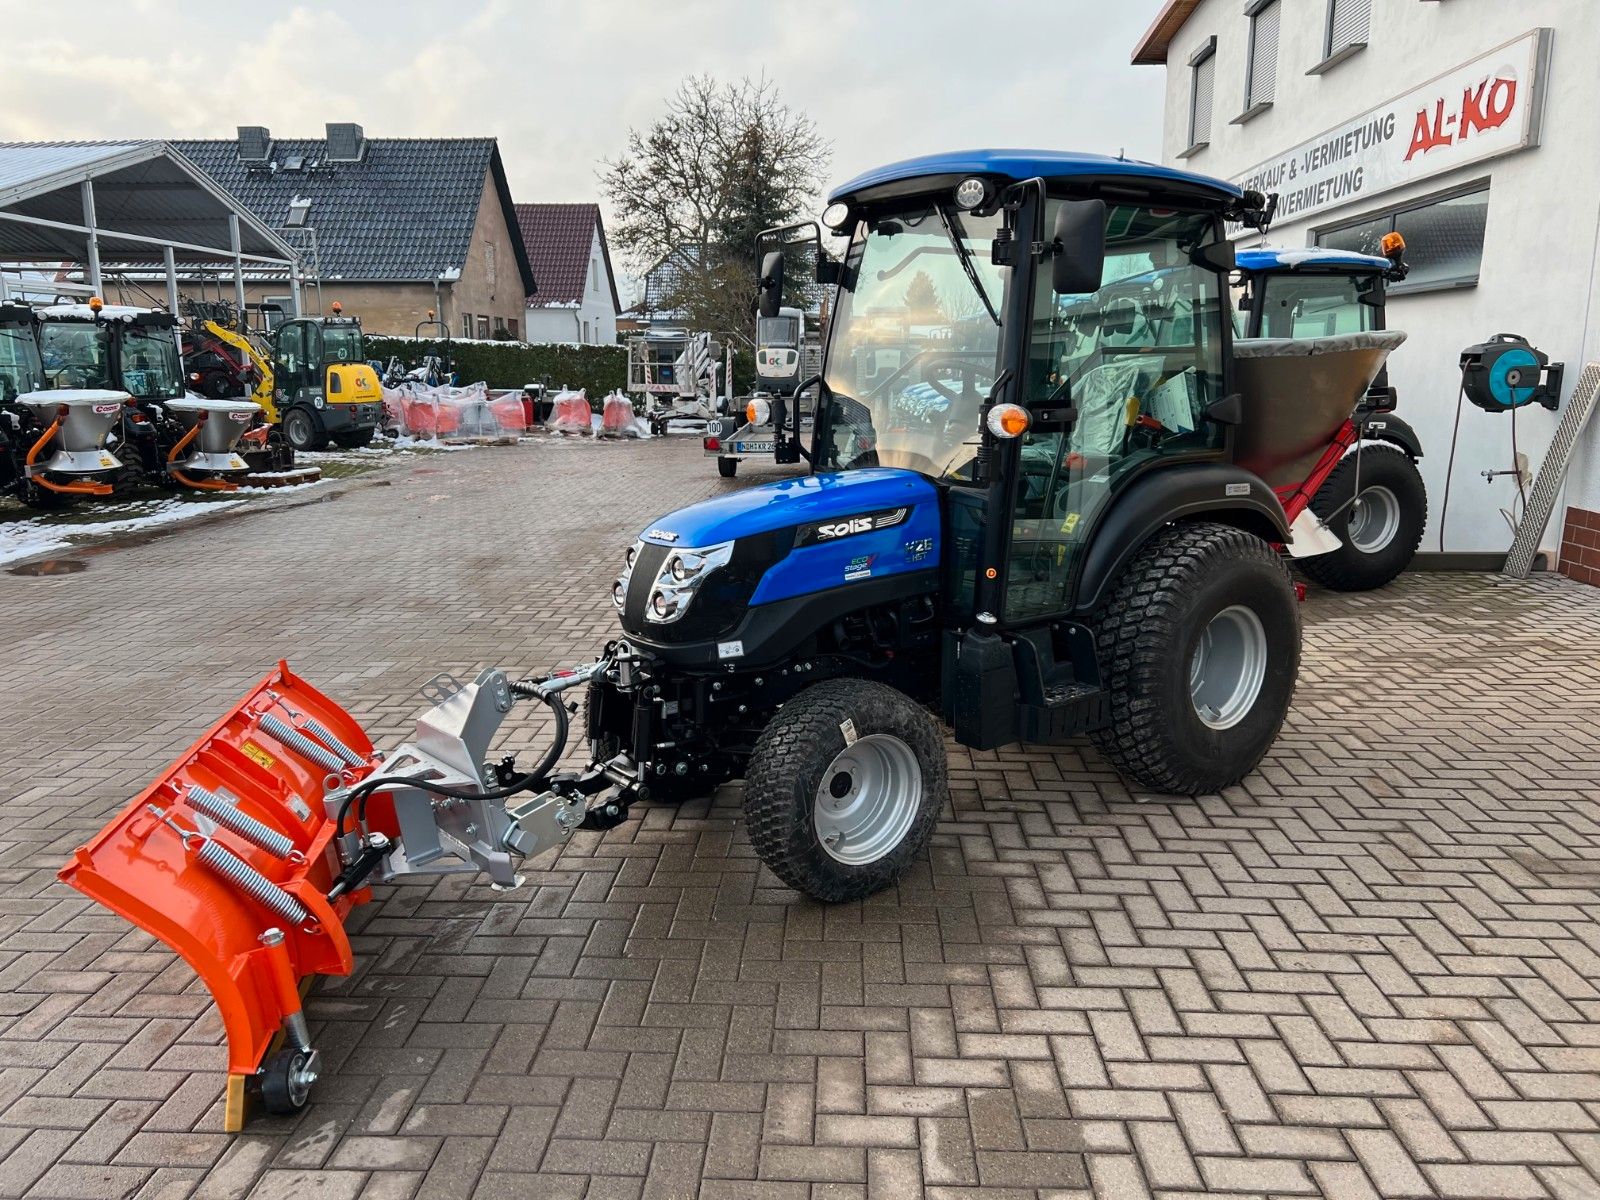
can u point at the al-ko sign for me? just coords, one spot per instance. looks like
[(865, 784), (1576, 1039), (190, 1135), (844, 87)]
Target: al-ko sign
[(1487, 107)]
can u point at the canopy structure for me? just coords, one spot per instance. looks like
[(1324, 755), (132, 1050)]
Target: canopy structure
[(140, 203)]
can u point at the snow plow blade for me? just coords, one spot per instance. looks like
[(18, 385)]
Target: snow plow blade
[(247, 855), (229, 859)]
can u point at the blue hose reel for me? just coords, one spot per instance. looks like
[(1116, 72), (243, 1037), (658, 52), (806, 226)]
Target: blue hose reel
[(1507, 372)]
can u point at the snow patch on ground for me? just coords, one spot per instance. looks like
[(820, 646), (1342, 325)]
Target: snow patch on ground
[(24, 539)]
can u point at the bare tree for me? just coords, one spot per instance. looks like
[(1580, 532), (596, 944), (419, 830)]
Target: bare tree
[(724, 161)]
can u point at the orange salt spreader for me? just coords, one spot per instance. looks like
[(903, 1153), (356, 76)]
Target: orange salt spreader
[(249, 852)]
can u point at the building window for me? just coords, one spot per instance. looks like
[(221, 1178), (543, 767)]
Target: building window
[(1444, 239), (489, 264), (1202, 81), (511, 327), (586, 333), (1261, 72), (594, 276), (466, 325), (483, 328), (1349, 22)]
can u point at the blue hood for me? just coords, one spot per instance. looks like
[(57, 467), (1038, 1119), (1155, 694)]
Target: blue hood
[(789, 502)]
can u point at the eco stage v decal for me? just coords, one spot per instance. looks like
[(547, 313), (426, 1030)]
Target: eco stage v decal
[(815, 532)]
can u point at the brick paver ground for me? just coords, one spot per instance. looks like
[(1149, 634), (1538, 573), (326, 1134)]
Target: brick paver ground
[(1372, 970)]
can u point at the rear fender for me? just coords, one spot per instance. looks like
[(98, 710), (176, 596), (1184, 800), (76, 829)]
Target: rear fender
[(1386, 427), (1218, 492)]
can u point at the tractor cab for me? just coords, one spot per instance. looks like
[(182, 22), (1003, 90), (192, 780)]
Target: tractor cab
[(163, 434), (20, 369), (323, 388)]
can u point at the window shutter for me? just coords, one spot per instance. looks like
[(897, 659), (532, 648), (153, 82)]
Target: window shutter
[(1205, 74), (1263, 79), (1348, 23)]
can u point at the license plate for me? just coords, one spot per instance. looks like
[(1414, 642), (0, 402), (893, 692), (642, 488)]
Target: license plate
[(753, 447)]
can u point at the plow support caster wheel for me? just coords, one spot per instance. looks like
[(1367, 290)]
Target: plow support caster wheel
[(844, 788), (286, 1081)]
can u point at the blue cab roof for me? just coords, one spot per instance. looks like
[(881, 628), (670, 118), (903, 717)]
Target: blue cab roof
[(1014, 165), (1268, 258)]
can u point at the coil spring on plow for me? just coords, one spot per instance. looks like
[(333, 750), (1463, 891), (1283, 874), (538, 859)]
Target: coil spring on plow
[(265, 859)]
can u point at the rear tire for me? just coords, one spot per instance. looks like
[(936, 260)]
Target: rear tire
[(836, 819), (727, 467), (1379, 533), (303, 431), (1199, 646)]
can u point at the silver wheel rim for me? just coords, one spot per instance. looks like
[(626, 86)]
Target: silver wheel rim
[(1374, 519), (867, 800), (1227, 667)]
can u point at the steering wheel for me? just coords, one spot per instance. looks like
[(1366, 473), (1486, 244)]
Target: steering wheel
[(966, 370)]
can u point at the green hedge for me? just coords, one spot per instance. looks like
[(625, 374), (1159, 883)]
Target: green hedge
[(598, 369)]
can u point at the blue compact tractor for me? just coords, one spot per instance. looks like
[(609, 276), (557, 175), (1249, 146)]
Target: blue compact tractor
[(1024, 515)]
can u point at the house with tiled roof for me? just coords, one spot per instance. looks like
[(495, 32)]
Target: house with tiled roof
[(395, 229), (577, 296)]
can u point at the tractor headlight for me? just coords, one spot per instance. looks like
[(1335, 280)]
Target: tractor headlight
[(836, 216), (680, 578), (619, 589), (971, 192)]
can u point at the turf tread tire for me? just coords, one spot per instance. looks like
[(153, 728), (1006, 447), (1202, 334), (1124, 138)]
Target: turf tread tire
[(785, 770), (1141, 635), (1348, 569)]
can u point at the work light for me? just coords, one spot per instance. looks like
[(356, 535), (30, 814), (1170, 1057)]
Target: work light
[(971, 192), (836, 216)]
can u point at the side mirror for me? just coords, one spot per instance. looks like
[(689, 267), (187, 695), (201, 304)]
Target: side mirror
[(1219, 256), (1080, 247), (769, 288)]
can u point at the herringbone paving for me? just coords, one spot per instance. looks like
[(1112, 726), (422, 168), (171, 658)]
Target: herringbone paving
[(1373, 969)]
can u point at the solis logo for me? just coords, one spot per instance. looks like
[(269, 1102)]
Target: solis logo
[(839, 529), (1487, 106)]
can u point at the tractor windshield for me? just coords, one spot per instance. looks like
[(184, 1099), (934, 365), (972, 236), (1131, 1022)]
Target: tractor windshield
[(19, 363), (76, 354), (342, 344), (914, 342), (151, 369)]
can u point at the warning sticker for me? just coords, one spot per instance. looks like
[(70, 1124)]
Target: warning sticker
[(256, 754)]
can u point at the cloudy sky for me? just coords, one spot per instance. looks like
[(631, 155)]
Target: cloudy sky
[(559, 82)]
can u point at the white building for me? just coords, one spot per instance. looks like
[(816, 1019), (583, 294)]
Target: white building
[(1472, 126), (577, 296)]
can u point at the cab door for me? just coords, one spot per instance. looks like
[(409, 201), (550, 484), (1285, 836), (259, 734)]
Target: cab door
[(1137, 363)]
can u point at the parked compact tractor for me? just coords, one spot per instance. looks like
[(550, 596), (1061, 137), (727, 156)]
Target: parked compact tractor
[(112, 412), (1034, 528), (679, 376), (762, 424), (1364, 486)]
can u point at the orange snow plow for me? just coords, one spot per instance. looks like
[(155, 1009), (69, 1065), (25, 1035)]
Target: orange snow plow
[(248, 853)]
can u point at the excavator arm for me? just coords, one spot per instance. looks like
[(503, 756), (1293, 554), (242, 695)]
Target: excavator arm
[(230, 337)]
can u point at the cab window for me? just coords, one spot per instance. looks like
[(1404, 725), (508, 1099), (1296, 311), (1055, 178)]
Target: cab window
[(1306, 306)]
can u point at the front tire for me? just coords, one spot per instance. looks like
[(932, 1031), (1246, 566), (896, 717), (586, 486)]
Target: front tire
[(303, 431), (1379, 531), (844, 787), (1199, 647), (727, 467), (354, 439)]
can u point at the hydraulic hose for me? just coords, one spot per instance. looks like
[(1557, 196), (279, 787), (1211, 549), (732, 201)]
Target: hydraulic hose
[(522, 783)]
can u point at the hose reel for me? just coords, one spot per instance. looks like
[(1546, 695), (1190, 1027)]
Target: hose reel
[(1507, 372)]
